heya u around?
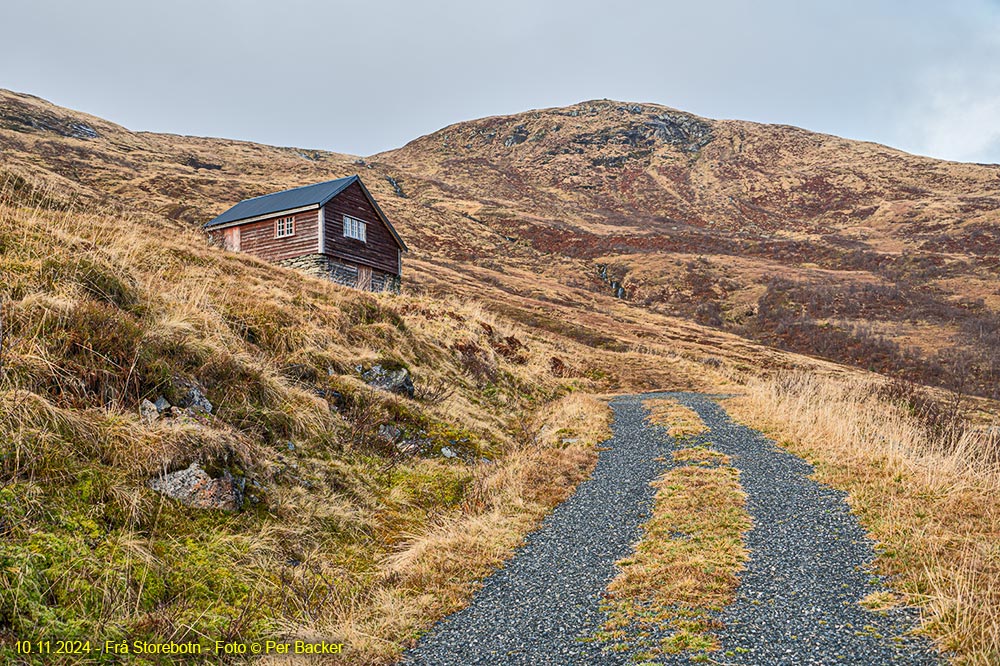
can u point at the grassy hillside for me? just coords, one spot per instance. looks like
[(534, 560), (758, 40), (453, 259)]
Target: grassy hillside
[(357, 527), (844, 250), (343, 534)]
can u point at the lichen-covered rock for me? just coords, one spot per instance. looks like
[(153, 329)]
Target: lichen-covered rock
[(195, 488), (394, 381), (197, 402), (413, 446), (687, 132), (148, 411), (162, 404), (192, 396), (519, 135), (389, 432)]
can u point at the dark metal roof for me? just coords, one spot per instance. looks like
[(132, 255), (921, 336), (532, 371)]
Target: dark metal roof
[(310, 195)]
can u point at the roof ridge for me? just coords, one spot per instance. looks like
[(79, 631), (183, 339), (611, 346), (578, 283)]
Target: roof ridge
[(300, 187)]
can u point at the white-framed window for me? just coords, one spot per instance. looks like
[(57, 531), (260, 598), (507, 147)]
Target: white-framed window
[(355, 228), (284, 227)]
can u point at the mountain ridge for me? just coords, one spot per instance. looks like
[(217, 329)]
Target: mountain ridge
[(547, 272), (644, 189)]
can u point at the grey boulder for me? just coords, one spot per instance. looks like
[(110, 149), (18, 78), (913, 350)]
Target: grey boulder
[(393, 381), (195, 488), (148, 411)]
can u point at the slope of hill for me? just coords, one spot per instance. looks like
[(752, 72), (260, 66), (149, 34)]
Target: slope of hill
[(848, 250), (101, 312), (526, 231), (110, 298)]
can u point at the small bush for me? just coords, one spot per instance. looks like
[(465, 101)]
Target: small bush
[(477, 362)]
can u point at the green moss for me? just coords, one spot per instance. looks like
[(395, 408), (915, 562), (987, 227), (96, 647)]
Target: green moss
[(74, 580), (455, 437), (432, 484)]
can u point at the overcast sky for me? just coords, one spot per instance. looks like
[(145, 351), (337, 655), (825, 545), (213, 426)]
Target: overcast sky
[(365, 76)]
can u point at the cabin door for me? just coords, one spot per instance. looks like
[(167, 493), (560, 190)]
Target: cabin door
[(365, 278), (231, 239)]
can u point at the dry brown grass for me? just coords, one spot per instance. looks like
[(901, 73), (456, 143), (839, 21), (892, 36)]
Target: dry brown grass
[(675, 417), (83, 290), (435, 573), (347, 541), (529, 223), (687, 562), (931, 501)]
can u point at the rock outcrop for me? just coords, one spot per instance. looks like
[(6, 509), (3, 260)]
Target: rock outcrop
[(391, 380), (195, 488)]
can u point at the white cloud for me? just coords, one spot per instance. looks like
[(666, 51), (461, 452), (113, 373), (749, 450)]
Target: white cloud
[(951, 109), (957, 117)]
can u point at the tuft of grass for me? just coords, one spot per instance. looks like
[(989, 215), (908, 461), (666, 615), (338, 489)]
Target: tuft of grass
[(675, 417), (880, 601)]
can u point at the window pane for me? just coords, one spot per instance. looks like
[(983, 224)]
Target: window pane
[(354, 228), (284, 226)]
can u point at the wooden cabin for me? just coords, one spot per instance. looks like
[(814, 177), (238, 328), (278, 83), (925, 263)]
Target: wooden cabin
[(333, 230)]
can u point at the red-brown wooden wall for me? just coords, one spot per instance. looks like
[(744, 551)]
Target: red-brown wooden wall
[(259, 239), (380, 251)]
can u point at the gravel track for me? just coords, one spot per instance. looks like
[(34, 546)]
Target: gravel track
[(809, 565), (810, 562), (535, 609)]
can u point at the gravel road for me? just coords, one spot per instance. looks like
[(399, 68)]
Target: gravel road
[(796, 604), (535, 609), (809, 565)]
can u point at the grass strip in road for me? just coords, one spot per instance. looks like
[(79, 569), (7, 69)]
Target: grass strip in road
[(675, 417), (685, 567)]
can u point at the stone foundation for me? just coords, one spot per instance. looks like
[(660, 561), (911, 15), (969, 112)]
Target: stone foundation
[(340, 271)]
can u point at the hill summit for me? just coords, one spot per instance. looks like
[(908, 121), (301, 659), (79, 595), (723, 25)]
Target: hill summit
[(853, 251)]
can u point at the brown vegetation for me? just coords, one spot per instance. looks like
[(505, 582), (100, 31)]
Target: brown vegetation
[(344, 535), (887, 261), (680, 421)]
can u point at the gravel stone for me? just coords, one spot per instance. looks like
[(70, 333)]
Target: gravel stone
[(810, 562), (536, 609)]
